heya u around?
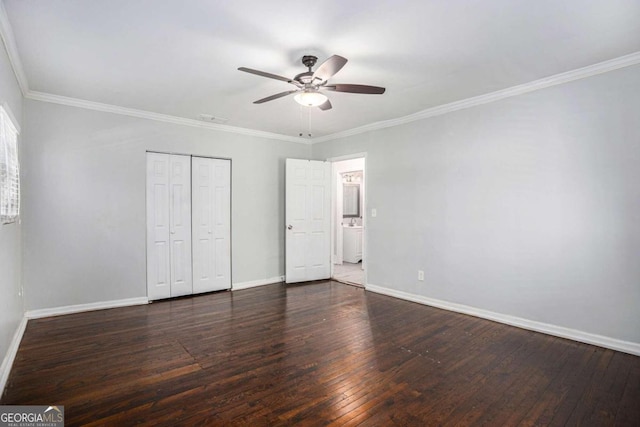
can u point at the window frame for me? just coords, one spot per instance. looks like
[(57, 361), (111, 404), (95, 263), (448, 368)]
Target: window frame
[(9, 168)]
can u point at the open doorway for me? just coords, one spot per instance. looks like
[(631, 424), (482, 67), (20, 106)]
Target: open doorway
[(348, 255)]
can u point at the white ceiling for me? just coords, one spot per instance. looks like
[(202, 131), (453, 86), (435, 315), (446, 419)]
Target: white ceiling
[(181, 57)]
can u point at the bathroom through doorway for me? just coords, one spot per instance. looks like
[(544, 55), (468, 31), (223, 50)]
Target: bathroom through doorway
[(348, 254)]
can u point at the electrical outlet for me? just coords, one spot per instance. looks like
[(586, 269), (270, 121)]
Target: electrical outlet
[(420, 275)]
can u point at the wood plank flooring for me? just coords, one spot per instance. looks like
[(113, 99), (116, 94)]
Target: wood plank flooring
[(317, 354)]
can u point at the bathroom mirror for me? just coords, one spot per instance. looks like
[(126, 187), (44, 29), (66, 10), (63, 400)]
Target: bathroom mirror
[(350, 200)]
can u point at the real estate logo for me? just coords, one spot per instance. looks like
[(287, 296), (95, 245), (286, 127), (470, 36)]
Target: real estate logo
[(31, 416)]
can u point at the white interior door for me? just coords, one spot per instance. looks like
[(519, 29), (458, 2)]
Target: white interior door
[(158, 252), (308, 220), (211, 201), (180, 224)]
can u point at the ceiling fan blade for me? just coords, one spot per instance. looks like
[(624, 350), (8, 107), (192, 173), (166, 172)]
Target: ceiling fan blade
[(373, 90), (276, 96), (329, 67), (325, 106), (265, 74)]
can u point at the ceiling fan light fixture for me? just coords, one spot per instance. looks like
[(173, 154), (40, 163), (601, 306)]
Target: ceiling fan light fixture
[(310, 98)]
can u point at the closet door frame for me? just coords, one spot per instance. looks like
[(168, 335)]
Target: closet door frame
[(166, 292)]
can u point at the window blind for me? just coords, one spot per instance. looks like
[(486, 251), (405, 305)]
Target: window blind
[(9, 170)]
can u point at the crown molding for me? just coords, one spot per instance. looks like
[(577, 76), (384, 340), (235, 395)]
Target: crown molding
[(569, 76), (108, 108), (6, 32)]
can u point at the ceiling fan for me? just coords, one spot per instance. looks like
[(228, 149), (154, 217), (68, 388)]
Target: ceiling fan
[(310, 83)]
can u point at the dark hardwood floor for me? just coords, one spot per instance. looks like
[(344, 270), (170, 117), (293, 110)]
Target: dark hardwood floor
[(317, 354)]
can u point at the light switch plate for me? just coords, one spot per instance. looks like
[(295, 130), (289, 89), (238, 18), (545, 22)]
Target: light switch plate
[(374, 213)]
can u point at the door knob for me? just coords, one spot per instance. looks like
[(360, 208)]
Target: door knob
[(289, 227)]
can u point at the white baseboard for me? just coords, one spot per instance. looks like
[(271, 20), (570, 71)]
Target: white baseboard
[(68, 309), (558, 331), (254, 283), (12, 351)]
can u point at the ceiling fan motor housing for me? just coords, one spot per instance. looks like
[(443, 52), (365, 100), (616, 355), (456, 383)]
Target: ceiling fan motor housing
[(309, 61), (304, 78)]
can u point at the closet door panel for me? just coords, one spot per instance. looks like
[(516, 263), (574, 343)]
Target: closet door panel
[(202, 227), (180, 225), (211, 224), (158, 242), (222, 221)]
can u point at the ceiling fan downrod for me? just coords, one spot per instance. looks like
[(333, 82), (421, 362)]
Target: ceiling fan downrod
[(309, 61)]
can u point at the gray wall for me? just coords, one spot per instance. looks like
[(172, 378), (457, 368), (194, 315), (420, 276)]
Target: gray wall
[(528, 207), (84, 201), (11, 304)]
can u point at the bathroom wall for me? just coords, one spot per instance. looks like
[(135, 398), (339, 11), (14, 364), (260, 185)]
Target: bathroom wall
[(354, 177), (353, 165), (339, 168)]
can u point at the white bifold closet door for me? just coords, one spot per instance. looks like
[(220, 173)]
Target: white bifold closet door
[(168, 225), (188, 225), (211, 196)]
